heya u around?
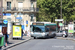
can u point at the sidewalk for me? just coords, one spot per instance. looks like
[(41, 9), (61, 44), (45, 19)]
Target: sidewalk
[(67, 38), (14, 42)]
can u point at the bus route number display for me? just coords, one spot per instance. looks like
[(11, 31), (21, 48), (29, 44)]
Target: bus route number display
[(38, 23)]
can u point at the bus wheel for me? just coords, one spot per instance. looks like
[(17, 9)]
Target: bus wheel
[(35, 37), (54, 36)]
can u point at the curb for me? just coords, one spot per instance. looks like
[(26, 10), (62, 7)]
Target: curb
[(16, 44), (66, 38)]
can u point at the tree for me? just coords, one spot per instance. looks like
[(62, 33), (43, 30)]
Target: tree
[(50, 9)]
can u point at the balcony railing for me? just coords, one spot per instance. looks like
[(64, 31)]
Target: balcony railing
[(32, 0), (31, 19), (21, 9)]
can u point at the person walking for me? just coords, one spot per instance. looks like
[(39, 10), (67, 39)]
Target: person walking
[(5, 39), (28, 33), (25, 33), (22, 33)]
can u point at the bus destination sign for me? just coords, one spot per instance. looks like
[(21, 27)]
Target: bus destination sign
[(38, 23)]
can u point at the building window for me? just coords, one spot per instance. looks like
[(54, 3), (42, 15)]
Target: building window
[(8, 5), (32, 16), (32, 6), (20, 6), (33, 0)]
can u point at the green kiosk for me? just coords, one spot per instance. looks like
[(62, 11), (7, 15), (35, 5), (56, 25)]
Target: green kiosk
[(1, 41), (1, 36)]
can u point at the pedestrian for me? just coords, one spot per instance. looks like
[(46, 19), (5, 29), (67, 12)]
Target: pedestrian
[(6, 38), (28, 33), (25, 33), (0, 48), (22, 33)]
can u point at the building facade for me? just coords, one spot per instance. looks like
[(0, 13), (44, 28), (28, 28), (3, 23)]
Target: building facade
[(0, 8), (1, 4), (23, 11)]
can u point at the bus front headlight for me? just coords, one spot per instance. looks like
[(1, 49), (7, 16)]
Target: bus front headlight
[(43, 34), (31, 32)]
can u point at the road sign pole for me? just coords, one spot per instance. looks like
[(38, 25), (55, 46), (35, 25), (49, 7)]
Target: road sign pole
[(20, 17), (15, 14), (26, 25)]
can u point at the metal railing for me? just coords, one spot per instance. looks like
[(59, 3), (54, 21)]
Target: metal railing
[(20, 9), (31, 19)]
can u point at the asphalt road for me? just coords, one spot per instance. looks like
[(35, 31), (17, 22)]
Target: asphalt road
[(46, 44)]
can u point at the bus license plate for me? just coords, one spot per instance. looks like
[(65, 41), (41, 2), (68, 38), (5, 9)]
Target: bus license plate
[(36, 33)]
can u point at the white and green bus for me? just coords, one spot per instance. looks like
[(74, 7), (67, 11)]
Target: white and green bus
[(43, 29)]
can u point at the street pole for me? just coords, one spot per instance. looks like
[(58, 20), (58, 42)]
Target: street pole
[(15, 14), (61, 9), (61, 13)]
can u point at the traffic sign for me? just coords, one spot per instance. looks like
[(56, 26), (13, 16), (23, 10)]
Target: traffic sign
[(26, 22), (26, 25), (70, 28), (58, 19), (18, 17), (5, 21)]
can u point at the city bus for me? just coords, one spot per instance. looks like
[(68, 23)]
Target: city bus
[(43, 29)]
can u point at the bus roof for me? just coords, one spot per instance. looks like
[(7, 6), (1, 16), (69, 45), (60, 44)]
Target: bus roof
[(42, 22), (45, 23), (51, 24)]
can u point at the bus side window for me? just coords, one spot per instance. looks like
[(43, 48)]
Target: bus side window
[(47, 29), (31, 28), (34, 28)]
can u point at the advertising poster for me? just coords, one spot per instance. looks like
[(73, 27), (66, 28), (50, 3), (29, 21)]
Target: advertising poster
[(17, 31), (23, 27), (70, 28), (0, 28), (9, 28)]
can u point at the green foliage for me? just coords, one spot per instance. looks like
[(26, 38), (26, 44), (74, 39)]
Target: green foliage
[(50, 9)]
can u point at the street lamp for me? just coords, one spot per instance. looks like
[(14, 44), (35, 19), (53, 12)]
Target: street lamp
[(61, 12), (20, 20), (15, 14)]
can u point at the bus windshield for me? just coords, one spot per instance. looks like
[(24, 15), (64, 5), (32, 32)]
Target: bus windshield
[(38, 28), (50, 28)]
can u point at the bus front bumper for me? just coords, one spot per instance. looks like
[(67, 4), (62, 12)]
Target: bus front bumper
[(38, 36)]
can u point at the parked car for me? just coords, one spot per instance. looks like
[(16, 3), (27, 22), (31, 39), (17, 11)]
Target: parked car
[(65, 34), (62, 34)]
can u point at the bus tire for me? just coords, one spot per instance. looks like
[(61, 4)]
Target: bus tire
[(54, 36), (35, 37)]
